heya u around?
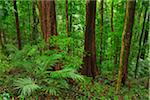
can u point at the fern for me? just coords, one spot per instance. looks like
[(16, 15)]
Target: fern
[(26, 86), (67, 73), (51, 90)]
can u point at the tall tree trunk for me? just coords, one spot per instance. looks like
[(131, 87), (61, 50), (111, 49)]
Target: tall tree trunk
[(67, 22), (29, 17), (89, 67), (17, 25), (112, 15), (115, 38), (145, 40), (126, 41), (140, 42), (48, 18), (35, 22), (101, 30), (48, 21)]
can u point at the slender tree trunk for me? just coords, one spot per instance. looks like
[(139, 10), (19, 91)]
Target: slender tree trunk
[(112, 15), (1, 41), (17, 25), (126, 41), (29, 21), (89, 67), (115, 39), (34, 33), (145, 40), (70, 24), (140, 42), (101, 30), (67, 22)]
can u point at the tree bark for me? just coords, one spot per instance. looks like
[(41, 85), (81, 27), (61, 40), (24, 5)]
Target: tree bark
[(101, 30), (17, 25), (126, 41), (89, 67), (48, 18), (140, 42)]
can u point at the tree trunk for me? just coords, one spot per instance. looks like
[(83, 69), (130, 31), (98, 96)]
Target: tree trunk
[(1, 41), (89, 67), (17, 25), (112, 15), (48, 22), (29, 17), (48, 18), (35, 22), (101, 30), (145, 40), (126, 41), (70, 24), (140, 42), (115, 39), (67, 24)]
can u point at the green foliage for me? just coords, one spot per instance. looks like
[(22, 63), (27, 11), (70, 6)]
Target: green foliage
[(29, 72), (67, 73), (26, 86), (32, 70)]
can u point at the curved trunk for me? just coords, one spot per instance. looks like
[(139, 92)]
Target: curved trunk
[(126, 41)]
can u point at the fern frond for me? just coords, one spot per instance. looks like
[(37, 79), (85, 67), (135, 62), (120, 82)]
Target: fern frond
[(52, 90), (67, 73), (26, 86)]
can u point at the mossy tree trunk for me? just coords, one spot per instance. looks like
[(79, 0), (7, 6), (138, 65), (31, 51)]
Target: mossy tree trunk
[(126, 41), (89, 67), (115, 55), (101, 30), (145, 40), (140, 42), (34, 34)]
